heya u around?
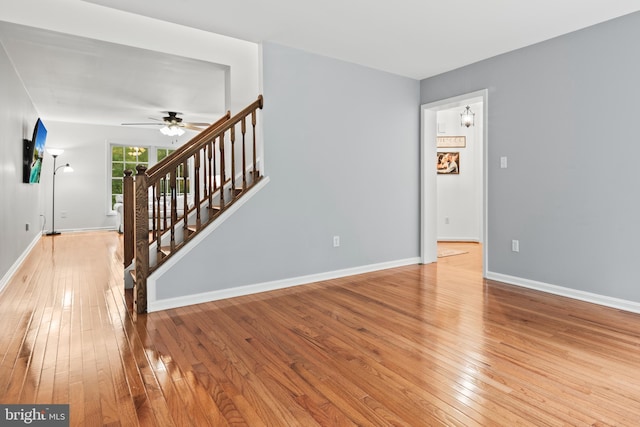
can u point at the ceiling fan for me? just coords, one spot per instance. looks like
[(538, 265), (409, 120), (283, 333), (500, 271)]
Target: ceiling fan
[(172, 125)]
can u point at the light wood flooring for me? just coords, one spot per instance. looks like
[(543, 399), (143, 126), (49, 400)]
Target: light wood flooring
[(413, 346)]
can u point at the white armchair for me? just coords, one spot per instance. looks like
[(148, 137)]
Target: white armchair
[(118, 206)]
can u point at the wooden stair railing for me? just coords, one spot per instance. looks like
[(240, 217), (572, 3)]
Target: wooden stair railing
[(189, 189), (129, 194)]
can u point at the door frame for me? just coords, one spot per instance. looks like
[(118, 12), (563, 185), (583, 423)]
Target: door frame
[(428, 175)]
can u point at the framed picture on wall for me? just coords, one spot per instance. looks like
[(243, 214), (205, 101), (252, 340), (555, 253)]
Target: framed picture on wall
[(451, 141), (448, 163)]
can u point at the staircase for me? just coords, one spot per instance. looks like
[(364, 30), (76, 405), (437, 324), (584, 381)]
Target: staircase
[(170, 203)]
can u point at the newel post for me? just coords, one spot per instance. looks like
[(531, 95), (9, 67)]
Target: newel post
[(142, 240), (128, 218)]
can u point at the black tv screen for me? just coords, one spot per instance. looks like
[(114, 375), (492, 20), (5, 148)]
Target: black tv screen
[(33, 154)]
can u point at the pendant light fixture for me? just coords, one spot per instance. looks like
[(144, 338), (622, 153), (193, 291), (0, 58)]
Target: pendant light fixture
[(467, 117)]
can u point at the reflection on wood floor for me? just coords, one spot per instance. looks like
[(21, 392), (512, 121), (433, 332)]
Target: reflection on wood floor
[(411, 346)]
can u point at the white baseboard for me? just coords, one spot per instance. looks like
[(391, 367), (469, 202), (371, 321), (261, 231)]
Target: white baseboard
[(9, 274), (606, 301), (166, 304), (82, 230)]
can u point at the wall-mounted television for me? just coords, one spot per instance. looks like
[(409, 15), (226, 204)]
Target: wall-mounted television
[(33, 154)]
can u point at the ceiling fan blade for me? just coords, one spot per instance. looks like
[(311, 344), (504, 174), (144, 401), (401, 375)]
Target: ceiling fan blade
[(198, 124), (141, 124), (190, 126)]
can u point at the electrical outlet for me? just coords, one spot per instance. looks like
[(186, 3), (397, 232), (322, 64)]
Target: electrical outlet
[(63, 214), (515, 246), (503, 162), (336, 241)]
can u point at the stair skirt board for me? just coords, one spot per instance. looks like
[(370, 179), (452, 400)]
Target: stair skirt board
[(156, 305), (179, 231)]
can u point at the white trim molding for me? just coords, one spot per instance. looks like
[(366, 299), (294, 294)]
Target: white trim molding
[(169, 303), (603, 300), (428, 185)]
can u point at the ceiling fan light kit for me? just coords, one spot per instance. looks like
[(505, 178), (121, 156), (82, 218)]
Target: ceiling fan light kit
[(172, 130)]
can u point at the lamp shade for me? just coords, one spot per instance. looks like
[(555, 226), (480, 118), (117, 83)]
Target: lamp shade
[(55, 151)]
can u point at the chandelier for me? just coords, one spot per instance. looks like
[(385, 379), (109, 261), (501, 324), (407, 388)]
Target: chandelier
[(467, 117)]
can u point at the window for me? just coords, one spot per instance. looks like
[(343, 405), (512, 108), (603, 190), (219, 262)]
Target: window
[(123, 158), (128, 157), (164, 152)]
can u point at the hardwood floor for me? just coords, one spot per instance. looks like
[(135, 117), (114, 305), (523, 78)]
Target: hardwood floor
[(412, 346)]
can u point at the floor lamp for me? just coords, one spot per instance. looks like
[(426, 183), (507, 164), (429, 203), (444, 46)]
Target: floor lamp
[(55, 152)]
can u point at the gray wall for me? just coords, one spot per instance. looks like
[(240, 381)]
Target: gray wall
[(342, 152), (21, 203), (565, 114)]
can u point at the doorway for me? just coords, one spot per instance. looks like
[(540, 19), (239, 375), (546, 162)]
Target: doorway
[(429, 176)]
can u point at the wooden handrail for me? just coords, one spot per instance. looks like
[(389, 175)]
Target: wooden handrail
[(159, 230)]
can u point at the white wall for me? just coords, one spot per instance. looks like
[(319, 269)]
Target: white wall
[(21, 203), (460, 196), (82, 194)]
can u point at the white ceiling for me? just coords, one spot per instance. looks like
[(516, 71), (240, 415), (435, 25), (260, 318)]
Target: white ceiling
[(414, 38), (83, 80), (77, 79)]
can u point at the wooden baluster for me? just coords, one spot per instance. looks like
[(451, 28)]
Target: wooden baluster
[(173, 201), (243, 128), (165, 190), (128, 218), (233, 162), (196, 190), (142, 240), (154, 211), (255, 157), (214, 167), (222, 172), (203, 156), (212, 177), (156, 220), (185, 208), (212, 170)]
